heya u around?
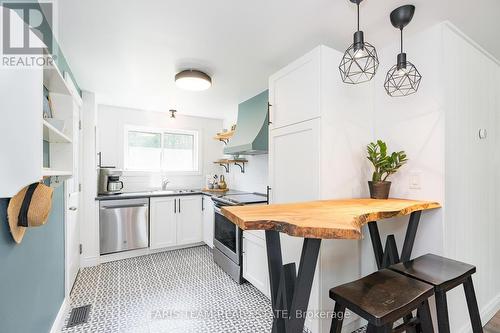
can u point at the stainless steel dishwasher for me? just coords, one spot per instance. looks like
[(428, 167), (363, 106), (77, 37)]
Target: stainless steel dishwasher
[(123, 225)]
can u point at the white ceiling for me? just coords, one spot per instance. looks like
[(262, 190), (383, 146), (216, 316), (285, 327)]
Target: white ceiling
[(129, 51)]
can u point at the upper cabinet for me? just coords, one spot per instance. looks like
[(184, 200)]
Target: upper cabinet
[(294, 91)]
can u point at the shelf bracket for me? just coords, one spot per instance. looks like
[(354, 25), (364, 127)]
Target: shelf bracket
[(226, 166), (242, 166), (226, 141)]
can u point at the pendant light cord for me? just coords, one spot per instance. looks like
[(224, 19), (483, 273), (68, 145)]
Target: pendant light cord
[(358, 15), (401, 40)]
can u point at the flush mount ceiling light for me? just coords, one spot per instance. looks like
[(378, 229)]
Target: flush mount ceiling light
[(403, 79), (172, 113), (193, 80), (360, 61)]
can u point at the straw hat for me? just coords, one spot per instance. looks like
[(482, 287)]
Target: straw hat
[(29, 208)]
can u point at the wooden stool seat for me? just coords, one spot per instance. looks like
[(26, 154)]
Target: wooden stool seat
[(382, 298), (444, 274)]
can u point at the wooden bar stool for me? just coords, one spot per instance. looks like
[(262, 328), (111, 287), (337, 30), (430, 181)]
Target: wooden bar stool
[(444, 274), (382, 298)]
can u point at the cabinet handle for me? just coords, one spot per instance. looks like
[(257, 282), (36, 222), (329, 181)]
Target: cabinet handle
[(179, 205), (175, 206), (269, 122), (202, 203)]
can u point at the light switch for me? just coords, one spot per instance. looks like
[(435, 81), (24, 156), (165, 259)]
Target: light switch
[(415, 180)]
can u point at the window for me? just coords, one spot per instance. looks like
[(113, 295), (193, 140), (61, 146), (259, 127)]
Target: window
[(161, 150)]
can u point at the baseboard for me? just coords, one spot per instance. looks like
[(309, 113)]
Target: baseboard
[(58, 324), (94, 261), (487, 313)]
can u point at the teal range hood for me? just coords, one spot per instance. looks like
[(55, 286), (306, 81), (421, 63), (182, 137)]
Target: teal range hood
[(251, 136)]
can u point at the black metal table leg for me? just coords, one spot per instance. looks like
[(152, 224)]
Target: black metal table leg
[(290, 292)]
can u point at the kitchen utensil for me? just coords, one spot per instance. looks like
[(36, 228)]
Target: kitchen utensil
[(222, 182)]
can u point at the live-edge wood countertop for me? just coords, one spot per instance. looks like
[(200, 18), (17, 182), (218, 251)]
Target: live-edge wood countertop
[(325, 219)]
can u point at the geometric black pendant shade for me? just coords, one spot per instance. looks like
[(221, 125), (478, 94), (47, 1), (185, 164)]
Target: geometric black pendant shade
[(402, 79), (360, 62)]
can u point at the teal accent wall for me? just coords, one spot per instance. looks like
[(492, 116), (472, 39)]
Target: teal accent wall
[(32, 273)]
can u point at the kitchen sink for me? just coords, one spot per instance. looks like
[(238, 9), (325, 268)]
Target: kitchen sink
[(167, 192)]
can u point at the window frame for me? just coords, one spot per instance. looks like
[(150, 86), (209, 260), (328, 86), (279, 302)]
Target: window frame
[(197, 151)]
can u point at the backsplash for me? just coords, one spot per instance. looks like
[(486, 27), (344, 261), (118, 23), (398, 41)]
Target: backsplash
[(255, 178)]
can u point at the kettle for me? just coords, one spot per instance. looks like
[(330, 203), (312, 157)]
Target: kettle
[(222, 183)]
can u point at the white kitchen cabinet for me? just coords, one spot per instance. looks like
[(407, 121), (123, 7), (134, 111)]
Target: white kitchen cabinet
[(163, 222), (255, 268), (316, 150), (175, 221), (208, 220), (189, 220), (294, 91)]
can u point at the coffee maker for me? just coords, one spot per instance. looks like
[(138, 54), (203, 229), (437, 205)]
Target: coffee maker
[(110, 181)]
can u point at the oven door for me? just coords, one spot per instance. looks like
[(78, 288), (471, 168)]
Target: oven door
[(227, 237)]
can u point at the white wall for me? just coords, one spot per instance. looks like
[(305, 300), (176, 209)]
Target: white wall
[(111, 122), (423, 125)]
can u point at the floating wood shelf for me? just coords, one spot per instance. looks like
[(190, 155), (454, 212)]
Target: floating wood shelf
[(226, 163), (224, 136), (53, 135)]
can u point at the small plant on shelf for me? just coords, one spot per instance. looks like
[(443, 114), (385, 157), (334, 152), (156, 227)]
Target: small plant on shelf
[(385, 165)]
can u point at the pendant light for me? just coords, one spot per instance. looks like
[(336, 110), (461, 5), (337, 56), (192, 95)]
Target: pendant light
[(360, 61), (403, 79)]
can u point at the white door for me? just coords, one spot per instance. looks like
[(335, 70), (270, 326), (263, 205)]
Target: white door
[(72, 241), (163, 226), (208, 221), (189, 220), (72, 226), (294, 91)]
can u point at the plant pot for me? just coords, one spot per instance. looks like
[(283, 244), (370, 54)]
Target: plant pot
[(379, 190)]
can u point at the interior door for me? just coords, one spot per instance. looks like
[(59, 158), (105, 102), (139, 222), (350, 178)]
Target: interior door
[(189, 220), (72, 227)]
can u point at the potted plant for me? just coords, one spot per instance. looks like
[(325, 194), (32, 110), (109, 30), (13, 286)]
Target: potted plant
[(385, 165)]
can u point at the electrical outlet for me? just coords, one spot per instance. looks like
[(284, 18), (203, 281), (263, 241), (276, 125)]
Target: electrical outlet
[(415, 180)]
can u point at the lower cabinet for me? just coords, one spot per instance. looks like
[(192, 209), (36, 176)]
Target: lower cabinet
[(175, 221), (208, 220), (255, 268)]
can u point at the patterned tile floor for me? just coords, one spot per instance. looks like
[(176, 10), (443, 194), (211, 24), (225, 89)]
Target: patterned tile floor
[(179, 291)]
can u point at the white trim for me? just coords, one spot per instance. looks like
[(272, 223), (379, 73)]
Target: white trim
[(94, 261), (58, 323), (486, 313), (469, 40)]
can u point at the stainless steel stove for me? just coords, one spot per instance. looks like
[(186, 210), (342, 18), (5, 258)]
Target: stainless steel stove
[(228, 237)]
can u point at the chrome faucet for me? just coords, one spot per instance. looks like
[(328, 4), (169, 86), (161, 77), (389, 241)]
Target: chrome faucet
[(164, 184)]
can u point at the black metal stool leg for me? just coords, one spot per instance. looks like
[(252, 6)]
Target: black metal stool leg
[(338, 318), (424, 314), (470, 295), (442, 312)]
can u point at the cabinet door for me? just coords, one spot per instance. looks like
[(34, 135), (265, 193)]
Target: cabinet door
[(294, 162), (189, 220), (255, 262), (208, 221), (294, 91), (163, 227)]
